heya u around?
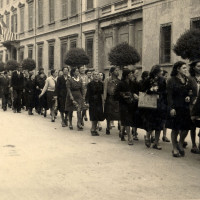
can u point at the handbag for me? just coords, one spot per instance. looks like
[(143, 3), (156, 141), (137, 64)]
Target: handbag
[(147, 100)]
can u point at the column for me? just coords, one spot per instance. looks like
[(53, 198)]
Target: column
[(131, 34), (115, 36)]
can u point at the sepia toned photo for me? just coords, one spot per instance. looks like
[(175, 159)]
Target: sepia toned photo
[(99, 99)]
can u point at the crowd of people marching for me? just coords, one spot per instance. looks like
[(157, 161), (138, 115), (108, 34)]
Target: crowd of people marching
[(112, 99)]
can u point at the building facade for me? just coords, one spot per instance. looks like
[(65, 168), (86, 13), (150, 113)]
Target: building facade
[(47, 29)]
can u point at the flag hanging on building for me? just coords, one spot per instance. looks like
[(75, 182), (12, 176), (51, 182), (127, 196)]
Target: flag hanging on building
[(6, 34)]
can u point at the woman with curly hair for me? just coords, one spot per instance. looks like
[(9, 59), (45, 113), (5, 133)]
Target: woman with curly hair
[(155, 86), (75, 97), (179, 95)]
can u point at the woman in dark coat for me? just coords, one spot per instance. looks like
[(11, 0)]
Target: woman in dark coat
[(195, 108), (94, 97), (61, 91), (75, 97), (179, 94), (111, 109), (123, 94), (30, 89), (154, 118), (40, 83)]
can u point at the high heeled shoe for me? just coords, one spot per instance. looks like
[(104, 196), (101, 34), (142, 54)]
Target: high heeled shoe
[(147, 141), (71, 127), (80, 128)]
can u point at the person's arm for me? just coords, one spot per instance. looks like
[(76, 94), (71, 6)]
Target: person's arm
[(105, 89), (68, 84), (170, 86), (44, 88), (88, 93)]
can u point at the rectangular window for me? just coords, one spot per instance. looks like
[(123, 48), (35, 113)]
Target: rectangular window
[(6, 55), (73, 7), (40, 56), (51, 11), (90, 4), (7, 1), (108, 46), (195, 23), (165, 54), (21, 54), (40, 12), (22, 19), (30, 52), (64, 9), (8, 21), (73, 43), (51, 56), (63, 52), (30, 16), (14, 23), (1, 3), (89, 50), (1, 56)]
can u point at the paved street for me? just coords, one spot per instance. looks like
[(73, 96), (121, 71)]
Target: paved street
[(41, 160)]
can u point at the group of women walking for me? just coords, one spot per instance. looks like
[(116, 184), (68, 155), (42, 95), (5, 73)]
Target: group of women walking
[(172, 103)]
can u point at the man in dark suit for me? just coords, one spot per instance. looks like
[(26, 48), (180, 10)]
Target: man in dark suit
[(5, 90), (61, 91), (17, 86)]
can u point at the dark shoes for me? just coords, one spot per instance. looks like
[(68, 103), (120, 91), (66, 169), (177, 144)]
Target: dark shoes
[(71, 127), (80, 128), (195, 150), (94, 133), (147, 142), (157, 146), (152, 139), (176, 155), (165, 139), (107, 131)]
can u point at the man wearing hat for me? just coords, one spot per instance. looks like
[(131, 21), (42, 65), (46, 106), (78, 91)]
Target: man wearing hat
[(17, 86)]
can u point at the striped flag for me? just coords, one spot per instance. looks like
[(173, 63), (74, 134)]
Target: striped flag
[(6, 34)]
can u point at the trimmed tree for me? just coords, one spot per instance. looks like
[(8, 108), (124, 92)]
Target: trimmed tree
[(2, 66), (188, 45), (28, 64), (11, 65), (123, 55), (76, 57)]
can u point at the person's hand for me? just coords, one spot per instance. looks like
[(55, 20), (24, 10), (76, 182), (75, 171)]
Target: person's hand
[(187, 99), (173, 112), (136, 96), (37, 88)]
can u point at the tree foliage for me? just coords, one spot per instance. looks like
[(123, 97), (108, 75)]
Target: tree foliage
[(11, 65), (2, 66), (123, 55), (76, 57), (188, 45), (28, 64)]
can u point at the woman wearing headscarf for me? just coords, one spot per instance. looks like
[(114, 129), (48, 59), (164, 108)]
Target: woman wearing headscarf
[(111, 108), (94, 97), (195, 108), (155, 86), (179, 95)]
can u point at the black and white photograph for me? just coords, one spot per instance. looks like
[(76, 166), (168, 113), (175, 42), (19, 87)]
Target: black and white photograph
[(99, 99)]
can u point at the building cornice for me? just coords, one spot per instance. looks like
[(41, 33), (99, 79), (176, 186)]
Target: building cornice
[(29, 1), (6, 12), (21, 5), (13, 9)]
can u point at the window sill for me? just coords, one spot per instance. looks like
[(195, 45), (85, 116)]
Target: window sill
[(73, 16), (40, 26), (30, 30), (51, 23), (22, 33), (89, 10), (64, 19), (166, 64)]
